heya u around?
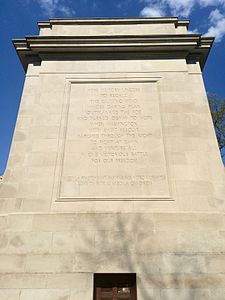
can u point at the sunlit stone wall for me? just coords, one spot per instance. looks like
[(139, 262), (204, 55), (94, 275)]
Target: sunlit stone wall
[(114, 168)]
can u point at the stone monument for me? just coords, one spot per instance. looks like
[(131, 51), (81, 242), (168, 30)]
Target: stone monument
[(114, 187)]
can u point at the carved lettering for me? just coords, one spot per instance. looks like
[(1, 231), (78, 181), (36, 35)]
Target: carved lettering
[(114, 139)]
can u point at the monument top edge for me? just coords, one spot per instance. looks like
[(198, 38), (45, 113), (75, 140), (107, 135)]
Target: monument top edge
[(86, 35), (100, 21)]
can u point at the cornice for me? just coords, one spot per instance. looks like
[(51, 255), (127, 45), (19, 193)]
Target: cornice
[(34, 48), (113, 21)]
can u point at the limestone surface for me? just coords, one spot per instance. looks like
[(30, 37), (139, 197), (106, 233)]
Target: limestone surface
[(114, 165)]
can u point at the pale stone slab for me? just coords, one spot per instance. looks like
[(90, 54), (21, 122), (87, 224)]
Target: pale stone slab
[(46, 294), (12, 263), (113, 145), (10, 294), (81, 30), (184, 294), (54, 263), (22, 281)]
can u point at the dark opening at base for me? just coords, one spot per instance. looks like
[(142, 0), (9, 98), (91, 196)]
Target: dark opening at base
[(115, 286)]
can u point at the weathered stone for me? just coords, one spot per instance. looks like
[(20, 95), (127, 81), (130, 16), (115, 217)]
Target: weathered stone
[(114, 166)]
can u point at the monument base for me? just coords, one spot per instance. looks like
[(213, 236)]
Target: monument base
[(55, 255)]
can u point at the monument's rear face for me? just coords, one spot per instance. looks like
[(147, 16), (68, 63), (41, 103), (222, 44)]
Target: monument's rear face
[(114, 187)]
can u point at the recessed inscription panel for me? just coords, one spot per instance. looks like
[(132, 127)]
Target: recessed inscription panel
[(113, 143)]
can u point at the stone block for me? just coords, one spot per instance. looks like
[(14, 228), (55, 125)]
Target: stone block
[(49, 263), (22, 281), (45, 294), (12, 263), (185, 294), (32, 242), (180, 264), (10, 205), (8, 190), (10, 294), (53, 222), (71, 242), (73, 281), (215, 263), (218, 294), (19, 222), (35, 204)]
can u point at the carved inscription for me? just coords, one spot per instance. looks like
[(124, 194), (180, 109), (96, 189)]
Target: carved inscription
[(113, 143), (112, 118)]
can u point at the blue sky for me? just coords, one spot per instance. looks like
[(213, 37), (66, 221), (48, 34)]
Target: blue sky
[(19, 17)]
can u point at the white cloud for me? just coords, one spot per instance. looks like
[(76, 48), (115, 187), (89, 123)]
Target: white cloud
[(181, 8), (217, 28), (206, 3), (215, 16), (176, 7), (151, 12), (184, 8), (52, 7), (194, 31)]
